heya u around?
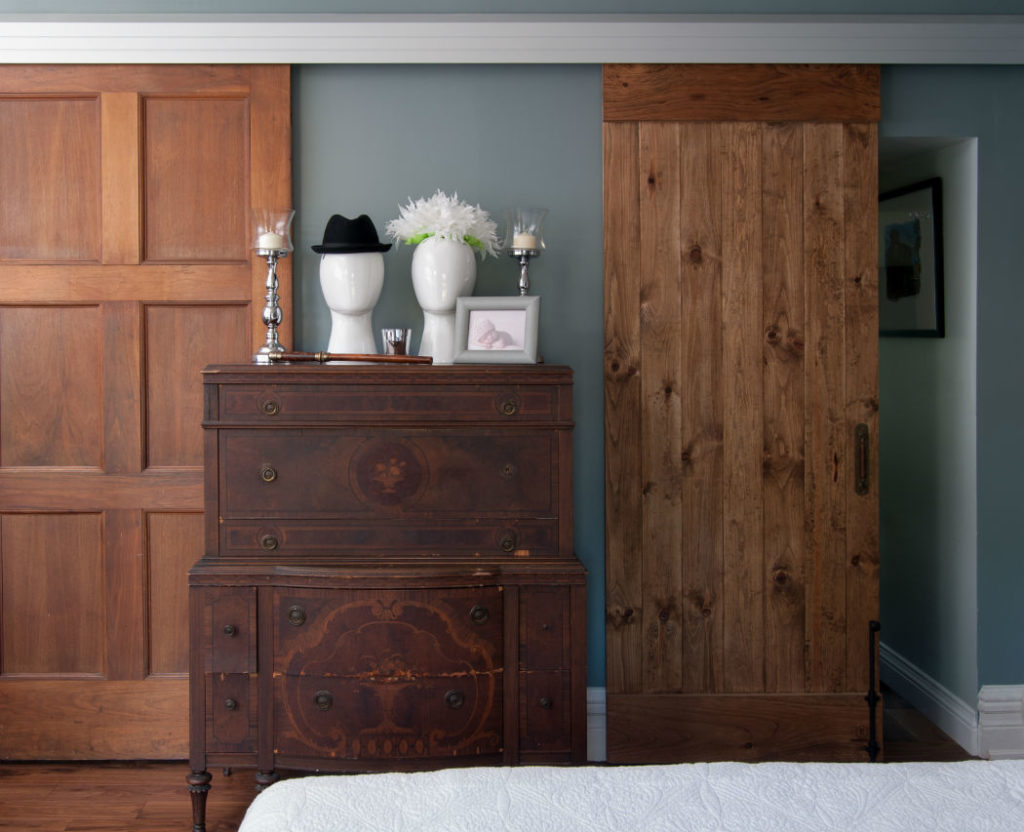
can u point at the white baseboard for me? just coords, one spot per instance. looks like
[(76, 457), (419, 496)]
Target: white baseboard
[(939, 704), (1001, 709), (597, 722)]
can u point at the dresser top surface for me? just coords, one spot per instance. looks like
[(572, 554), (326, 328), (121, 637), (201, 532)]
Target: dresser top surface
[(387, 373)]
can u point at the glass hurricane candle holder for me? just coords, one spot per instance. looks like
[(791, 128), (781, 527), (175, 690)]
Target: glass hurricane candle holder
[(524, 238), (272, 239)]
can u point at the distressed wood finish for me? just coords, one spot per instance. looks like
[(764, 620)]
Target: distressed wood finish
[(105, 169), (394, 545), (739, 92), (757, 561)]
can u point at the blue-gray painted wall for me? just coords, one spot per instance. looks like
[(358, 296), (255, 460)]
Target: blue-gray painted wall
[(366, 138)]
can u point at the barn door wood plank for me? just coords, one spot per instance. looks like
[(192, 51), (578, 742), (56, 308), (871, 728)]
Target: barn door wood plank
[(826, 475), (742, 410), (701, 342), (860, 151), (623, 517), (660, 384), (784, 342)]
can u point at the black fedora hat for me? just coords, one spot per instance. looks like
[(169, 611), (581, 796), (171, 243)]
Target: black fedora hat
[(345, 236)]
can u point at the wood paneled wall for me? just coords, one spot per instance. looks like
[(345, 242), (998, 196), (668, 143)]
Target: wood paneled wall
[(741, 353)]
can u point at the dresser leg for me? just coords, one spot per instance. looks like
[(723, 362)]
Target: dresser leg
[(199, 787), (265, 778)]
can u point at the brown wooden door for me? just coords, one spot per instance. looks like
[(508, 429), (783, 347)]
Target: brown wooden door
[(125, 197), (741, 354)]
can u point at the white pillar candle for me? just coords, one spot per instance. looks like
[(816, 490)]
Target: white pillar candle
[(524, 240), (270, 240)]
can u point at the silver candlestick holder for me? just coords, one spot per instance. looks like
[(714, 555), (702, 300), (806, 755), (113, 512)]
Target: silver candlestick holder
[(273, 241), (524, 239)]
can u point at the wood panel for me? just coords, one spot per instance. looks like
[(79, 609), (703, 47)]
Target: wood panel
[(51, 159), (741, 92), (100, 353), (172, 540), (52, 594), (195, 179), (660, 408), (752, 326), (43, 349), (743, 591), (623, 517), (701, 372), (663, 728), (783, 386), (179, 342)]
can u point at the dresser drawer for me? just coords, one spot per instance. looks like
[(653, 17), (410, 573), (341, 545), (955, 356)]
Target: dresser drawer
[(352, 473), (230, 629), (231, 713), (283, 539), (328, 717), (544, 636), (545, 712), (388, 636), (390, 404)]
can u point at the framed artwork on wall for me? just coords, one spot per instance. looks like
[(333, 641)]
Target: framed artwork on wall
[(910, 261), (496, 330)]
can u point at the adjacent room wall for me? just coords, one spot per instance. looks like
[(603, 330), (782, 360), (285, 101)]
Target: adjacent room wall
[(928, 436)]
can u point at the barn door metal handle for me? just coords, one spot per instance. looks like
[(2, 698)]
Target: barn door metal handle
[(862, 460)]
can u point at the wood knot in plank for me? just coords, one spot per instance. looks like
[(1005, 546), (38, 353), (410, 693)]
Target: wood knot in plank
[(696, 255)]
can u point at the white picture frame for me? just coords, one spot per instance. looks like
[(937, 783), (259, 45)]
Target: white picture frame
[(496, 330)]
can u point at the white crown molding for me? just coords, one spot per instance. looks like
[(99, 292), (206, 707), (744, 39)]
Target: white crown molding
[(511, 39)]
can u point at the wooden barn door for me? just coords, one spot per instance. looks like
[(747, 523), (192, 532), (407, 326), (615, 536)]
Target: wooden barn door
[(125, 195), (741, 349)]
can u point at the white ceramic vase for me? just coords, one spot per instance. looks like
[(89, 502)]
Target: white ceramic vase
[(442, 270), (351, 284)]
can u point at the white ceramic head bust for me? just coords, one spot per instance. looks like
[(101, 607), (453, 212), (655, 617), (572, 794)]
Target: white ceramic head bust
[(351, 278)]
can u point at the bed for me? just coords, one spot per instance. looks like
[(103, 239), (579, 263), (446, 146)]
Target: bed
[(809, 797)]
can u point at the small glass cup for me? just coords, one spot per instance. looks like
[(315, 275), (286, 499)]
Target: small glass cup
[(396, 341)]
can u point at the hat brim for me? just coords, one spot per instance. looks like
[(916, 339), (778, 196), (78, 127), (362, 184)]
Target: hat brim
[(350, 248)]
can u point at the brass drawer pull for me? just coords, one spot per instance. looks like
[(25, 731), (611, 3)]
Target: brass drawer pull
[(508, 543), (455, 699), (270, 408), (545, 702), (323, 700), (269, 542), (479, 614), (230, 704), (230, 630), (296, 616), (510, 407), (508, 470), (268, 473)]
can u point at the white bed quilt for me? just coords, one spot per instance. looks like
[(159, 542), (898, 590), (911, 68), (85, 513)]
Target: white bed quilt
[(766, 797)]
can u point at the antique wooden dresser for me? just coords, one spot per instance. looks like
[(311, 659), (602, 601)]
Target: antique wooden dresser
[(389, 579)]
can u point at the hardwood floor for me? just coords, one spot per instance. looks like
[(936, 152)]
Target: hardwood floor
[(152, 797)]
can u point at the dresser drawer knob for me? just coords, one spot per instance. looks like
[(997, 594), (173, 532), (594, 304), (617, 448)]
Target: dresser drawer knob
[(510, 407), (455, 699), (508, 543), (230, 704), (230, 630), (545, 702), (478, 614), (323, 700), (508, 470), (269, 542), (268, 473), (270, 407), (296, 616)]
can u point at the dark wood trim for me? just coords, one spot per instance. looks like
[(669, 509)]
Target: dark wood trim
[(742, 92), (672, 728)]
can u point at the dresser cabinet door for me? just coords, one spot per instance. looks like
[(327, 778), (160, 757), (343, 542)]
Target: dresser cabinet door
[(544, 678), (228, 647), (359, 673)]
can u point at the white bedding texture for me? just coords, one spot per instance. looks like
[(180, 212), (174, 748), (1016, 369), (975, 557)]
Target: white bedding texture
[(764, 797)]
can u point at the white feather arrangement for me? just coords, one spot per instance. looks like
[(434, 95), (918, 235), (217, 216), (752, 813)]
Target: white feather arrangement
[(446, 217)]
